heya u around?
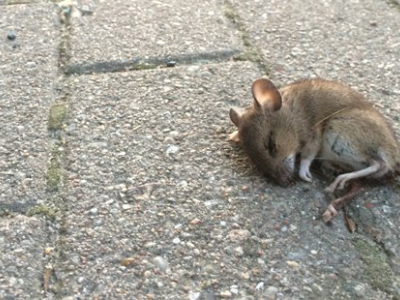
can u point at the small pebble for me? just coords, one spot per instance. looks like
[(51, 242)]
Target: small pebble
[(195, 221), (127, 206), (11, 35), (160, 263), (125, 262), (172, 149), (48, 250), (171, 63), (360, 290), (149, 244), (30, 64), (271, 292), (237, 235), (98, 222), (234, 289), (193, 68), (225, 294), (147, 273), (292, 264), (316, 288), (239, 251), (260, 286), (194, 295), (122, 268)]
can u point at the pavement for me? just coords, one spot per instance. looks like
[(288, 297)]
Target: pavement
[(117, 179)]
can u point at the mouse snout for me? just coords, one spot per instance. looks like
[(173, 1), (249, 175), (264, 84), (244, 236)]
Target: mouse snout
[(285, 171)]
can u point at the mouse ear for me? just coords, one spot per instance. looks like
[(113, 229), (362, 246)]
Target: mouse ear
[(266, 95), (236, 115)]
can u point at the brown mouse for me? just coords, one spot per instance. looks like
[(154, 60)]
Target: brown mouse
[(318, 120)]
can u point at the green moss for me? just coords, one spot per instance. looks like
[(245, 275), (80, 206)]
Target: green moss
[(57, 116), (230, 13), (44, 210), (53, 176), (251, 52), (246, 40), (249, 55), (377, 268), (143, 66)]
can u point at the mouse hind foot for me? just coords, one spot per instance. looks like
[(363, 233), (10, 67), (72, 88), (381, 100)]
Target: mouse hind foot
[(336, 204), (342, 179)]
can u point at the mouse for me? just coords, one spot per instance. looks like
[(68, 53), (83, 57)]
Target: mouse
[(315, 120)]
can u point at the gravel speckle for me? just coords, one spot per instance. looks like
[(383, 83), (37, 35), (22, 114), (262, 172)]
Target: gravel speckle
[(11, 35), (360, 290), (225, 294), (271, 292), (173, 149), (160, 263), (238, 235)]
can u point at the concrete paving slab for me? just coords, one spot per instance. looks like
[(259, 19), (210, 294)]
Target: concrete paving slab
[(145, 152), (161, 206), (17, 2), (22, 241), (352, 41), (126, 31), (355, 42), (28, 66)]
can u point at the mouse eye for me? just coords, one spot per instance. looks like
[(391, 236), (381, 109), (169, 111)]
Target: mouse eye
[(271, 146)]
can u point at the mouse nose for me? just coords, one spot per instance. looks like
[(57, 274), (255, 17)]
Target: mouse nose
[(284, 177), (289, 162), (286, 170)]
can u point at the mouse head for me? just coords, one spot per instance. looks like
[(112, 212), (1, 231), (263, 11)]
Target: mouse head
[(268, 133)]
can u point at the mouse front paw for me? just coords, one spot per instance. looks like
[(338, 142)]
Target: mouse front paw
[(305, 174)]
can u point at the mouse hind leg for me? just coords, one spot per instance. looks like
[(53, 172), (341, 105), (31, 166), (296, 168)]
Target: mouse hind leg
[(336, 204), (342, 179), (351, 152)]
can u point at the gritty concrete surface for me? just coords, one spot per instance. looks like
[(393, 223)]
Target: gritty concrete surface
[(151, 30), (22, 241), (28, 68), (117, 179)]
